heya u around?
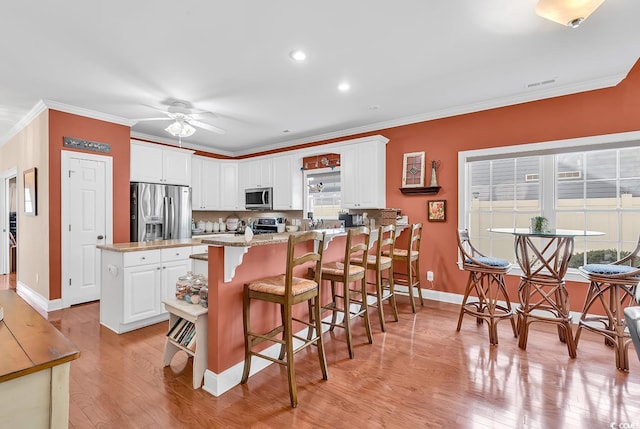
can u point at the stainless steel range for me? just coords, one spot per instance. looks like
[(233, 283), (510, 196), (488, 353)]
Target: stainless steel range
[(265, 225)]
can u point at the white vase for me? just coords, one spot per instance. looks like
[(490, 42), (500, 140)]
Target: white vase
[(434, 179)]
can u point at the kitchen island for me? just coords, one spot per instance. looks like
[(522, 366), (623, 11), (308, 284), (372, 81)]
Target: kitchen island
[(137, 276), (232, 262)]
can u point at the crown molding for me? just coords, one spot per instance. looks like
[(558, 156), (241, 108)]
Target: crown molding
[(23, 122), (529, 96), (185, 145), (80, 111), (44, 104)]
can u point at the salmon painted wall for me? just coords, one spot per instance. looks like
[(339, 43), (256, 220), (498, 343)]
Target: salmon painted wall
[(118, 136)]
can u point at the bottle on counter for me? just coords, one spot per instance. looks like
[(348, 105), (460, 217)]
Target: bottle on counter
[(183, 285), (204, 294)]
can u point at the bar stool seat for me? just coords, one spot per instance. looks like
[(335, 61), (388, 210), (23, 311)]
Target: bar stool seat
[(614, 286), (287, 290)]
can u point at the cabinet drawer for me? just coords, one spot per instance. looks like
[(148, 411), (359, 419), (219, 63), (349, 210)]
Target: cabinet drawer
[(142, 257), (175, 253), (202, 248)]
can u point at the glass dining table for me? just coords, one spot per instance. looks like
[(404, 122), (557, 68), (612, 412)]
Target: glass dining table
[(544, 260)]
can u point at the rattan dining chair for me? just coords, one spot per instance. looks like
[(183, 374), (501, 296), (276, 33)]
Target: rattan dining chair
[(614, 286), (485, 296)]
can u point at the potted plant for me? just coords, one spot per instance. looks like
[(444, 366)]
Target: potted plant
[(539, 224)]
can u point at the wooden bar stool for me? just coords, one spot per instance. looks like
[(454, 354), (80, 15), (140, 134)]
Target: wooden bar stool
[(286, 290), (410, 259), (356, 249), (486, 286), (378, 263), (614, 287)]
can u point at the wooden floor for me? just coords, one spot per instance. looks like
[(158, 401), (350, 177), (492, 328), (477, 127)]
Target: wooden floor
[(420, 373)]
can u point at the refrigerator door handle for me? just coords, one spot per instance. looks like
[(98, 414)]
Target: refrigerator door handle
[(166, 220)]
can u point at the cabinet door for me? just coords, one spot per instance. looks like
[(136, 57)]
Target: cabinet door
[(211, 184), (265, 173), (196, 184), (362, 176), (176, 167), (141, 292), (146, 163), (170, 273), (287, 184), (349, 177), (230, 193)]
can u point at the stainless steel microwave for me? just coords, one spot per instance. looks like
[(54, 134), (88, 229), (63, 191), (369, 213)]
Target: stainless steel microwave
[(258, 199)]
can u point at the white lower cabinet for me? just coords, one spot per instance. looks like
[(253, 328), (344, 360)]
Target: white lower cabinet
[(135, 283), (141, 295)]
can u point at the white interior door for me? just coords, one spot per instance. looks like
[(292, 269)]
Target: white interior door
[(86, 202), (6, 205)]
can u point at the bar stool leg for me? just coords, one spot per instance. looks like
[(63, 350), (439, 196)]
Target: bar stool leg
[(410, 285), (247, 341), (365, 309), (379, 292), (392, 291), (347, 317), (334, 315), (417, 277), (287, 335)]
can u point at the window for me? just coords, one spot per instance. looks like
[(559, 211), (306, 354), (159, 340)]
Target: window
[(576, 184), (322, 193)]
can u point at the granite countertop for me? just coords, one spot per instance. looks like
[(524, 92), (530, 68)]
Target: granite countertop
[(264, 239), (150, 245), (200, 256)]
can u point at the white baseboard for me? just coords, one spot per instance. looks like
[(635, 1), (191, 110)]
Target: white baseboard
[(36, 299), (217, 384)]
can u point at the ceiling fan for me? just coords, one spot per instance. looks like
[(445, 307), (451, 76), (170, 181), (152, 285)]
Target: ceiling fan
[(184, 120)]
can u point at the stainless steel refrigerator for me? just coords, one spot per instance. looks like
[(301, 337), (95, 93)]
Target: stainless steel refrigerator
[(160, 212)]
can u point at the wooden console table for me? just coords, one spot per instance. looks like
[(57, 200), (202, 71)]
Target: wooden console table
[(35, 359)]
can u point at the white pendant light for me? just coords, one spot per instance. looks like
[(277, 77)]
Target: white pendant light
[(180, 129), (567, 12)]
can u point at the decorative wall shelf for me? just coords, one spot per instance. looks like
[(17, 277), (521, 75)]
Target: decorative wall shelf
[(428, 190)]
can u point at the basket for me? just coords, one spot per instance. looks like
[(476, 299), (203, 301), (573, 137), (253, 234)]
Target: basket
[(388, 216)]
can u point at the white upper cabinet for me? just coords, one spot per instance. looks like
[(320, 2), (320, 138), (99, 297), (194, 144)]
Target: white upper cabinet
[(287, 183), (160, 164), (256, 173), (363, 174), (205, 183), (229, 191)]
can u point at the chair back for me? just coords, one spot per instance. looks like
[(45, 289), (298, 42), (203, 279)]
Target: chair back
[(386, 240), (414, 238), (301, 249), (357, 247), (474, 260)]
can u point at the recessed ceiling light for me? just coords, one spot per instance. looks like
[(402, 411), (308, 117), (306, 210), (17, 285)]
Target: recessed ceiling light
[(344, 86), (298, 55), (286, 131), (374, 107)]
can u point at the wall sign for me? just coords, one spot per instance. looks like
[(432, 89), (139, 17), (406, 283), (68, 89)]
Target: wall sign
[(87, 145)]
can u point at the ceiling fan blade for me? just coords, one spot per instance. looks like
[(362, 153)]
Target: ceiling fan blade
[(203, 114), (207, 127), (153, 119)]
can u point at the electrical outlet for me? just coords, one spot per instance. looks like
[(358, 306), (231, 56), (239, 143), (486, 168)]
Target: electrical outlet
[(430, 276)]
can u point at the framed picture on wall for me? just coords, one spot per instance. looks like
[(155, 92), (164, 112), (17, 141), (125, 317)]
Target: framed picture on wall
[(31, 192), (413, 170), (436, 211)]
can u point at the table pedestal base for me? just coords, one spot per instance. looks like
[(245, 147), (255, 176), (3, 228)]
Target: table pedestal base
[(544, 299)]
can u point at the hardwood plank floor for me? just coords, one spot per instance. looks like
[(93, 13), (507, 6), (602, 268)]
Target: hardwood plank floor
[(420, 373)]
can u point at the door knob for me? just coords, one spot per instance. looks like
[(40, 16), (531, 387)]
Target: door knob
[(100, 237)]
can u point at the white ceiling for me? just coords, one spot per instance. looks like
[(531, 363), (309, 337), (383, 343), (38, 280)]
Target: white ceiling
[(406, 60)]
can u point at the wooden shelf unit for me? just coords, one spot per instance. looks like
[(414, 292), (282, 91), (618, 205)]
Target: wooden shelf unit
[(197, 315), (426, 190)]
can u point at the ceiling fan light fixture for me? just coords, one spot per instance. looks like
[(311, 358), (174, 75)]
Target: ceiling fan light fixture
[(567, 12), (180, 129)]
